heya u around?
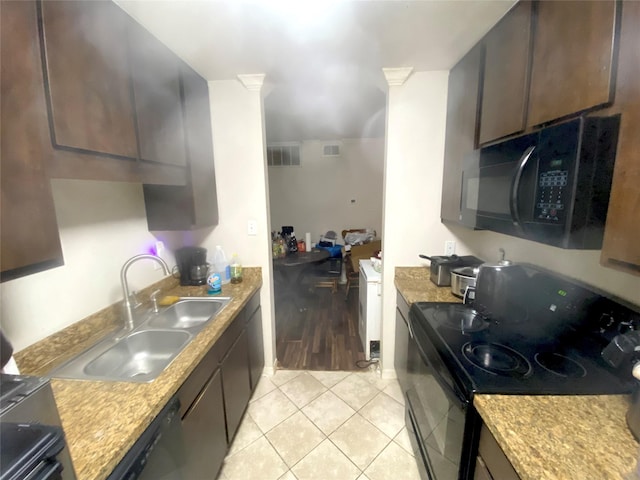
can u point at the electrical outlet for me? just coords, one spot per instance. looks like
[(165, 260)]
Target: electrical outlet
[(449, 247), (252, 227)]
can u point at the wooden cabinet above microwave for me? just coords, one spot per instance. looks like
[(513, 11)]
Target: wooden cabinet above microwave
[(546, 61)]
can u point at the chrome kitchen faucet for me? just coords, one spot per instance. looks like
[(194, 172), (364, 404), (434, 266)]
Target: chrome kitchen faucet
[(128, 311)]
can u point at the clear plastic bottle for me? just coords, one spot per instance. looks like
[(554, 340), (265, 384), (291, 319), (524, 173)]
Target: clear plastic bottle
[(236, 269), (221, 265)]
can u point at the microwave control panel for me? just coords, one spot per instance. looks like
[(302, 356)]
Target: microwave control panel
[(552, 183)]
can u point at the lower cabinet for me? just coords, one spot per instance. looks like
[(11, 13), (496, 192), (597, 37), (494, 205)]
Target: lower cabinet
[(402, 341), (235, 383), (204, 431), (215, 396), (256, 346), (492, 463)]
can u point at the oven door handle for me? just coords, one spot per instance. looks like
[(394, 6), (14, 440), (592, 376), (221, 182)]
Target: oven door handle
[(451, 391), (515, 185)]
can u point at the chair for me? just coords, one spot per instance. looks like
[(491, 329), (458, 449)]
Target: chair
[(328, 273)]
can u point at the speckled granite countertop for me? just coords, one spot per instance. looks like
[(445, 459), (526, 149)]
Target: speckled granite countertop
[(562, 437), (546, 437), (414, 285), (102, 420)]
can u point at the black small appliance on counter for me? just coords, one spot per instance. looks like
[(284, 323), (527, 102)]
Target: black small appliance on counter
[(538, 333), (441, 266), (192, 265)]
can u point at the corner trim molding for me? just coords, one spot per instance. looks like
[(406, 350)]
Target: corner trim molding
[(397, 76), (252, 82)]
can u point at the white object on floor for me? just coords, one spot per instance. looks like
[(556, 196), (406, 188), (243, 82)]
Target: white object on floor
[(11, 367)]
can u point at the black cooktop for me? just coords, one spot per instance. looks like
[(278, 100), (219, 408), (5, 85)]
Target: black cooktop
[(536, 354)]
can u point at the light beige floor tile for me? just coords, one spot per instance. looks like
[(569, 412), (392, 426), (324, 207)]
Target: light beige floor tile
[(363, 477), (247, 433), (355, 390), (265, 385), (395, 392), (328, 412), (329, 379), (288, 476), (326, 462), (271, 410), (295, 437), (283, 376), (258, 460), (359, 440), (302, 389), (394, 462), (385, 413), (402, 439)]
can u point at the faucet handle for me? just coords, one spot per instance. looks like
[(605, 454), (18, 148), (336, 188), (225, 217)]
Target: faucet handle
[(133, 298), (154, 299)]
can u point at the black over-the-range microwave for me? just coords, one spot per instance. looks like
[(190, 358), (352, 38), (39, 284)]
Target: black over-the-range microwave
[(551, 186)]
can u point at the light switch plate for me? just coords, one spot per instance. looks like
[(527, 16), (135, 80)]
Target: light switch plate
[(252, 227)]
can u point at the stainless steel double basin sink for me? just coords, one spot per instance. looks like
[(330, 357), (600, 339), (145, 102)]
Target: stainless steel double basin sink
[(145, 352)]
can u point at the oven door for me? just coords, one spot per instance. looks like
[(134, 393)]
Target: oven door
[(442, 425)]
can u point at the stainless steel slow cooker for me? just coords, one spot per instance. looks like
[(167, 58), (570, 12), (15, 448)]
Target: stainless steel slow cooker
[(461, 278)]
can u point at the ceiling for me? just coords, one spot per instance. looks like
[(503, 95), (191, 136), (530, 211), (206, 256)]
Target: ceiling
[(323, 60)]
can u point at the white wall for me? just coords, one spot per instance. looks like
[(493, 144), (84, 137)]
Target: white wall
[(238, 146), (316, 196), (101, 225), (412, 186), (583, 265)]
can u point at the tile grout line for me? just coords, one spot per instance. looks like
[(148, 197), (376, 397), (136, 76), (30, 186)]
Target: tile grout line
[(372, 382)]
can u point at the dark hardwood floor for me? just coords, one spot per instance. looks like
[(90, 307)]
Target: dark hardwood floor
[(322, 337)]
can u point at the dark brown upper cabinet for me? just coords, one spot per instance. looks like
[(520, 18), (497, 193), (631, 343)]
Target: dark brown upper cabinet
[(29, 238), (461, 133), (87, 77), (158, 104), (505, 87), (194, 205), (573, 58)]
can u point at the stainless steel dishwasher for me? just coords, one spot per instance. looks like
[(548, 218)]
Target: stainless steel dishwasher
[(159, 453)]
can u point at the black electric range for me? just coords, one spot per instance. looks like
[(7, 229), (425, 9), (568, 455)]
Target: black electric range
[(484, 356), (550, 343)]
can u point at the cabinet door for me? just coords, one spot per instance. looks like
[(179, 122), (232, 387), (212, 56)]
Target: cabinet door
[(194, 205), (156, 86), (197, 117), (29, 232), (573, 52), (204, 432), (461, 134), (87, 77), (401, 349), (235, 384), (506, 75), (256, 347), (621, 249)]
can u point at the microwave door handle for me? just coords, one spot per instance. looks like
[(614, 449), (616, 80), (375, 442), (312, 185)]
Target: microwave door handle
[(515, 185)]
